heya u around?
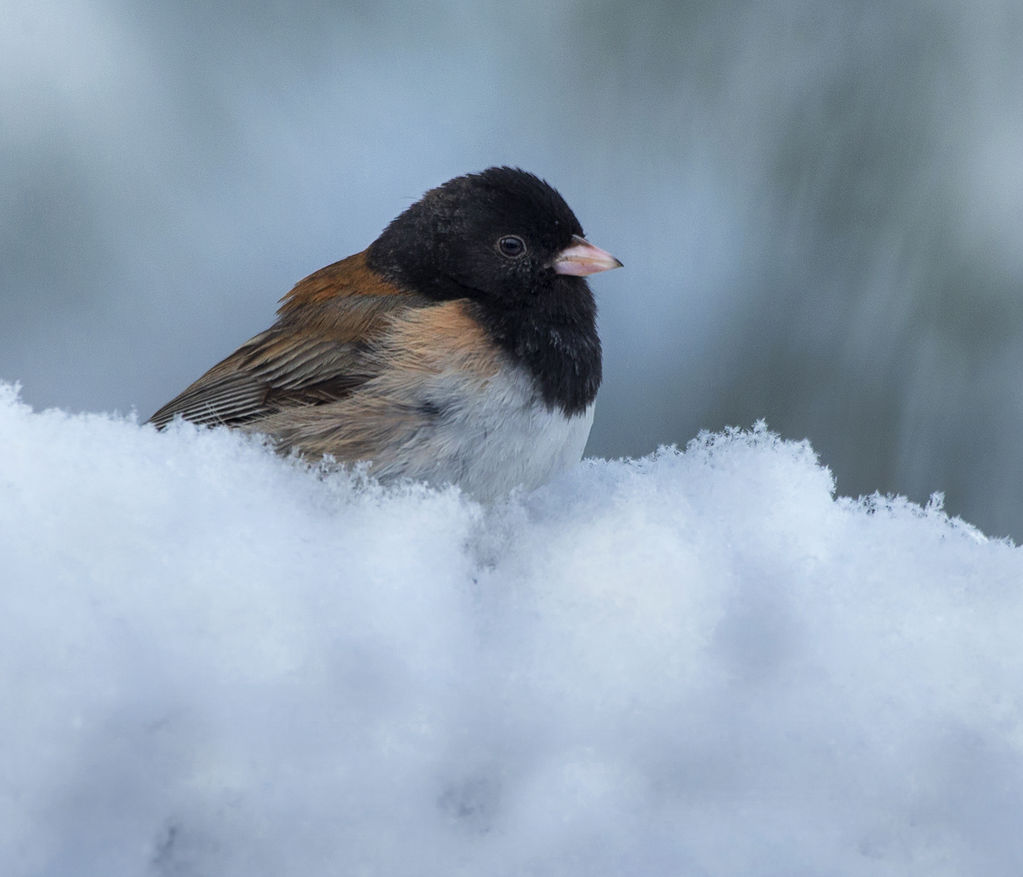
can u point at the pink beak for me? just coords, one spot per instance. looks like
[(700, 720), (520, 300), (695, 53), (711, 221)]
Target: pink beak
[(582, 258)]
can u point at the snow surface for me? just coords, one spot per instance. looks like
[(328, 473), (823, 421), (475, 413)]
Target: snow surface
[(216, 662)]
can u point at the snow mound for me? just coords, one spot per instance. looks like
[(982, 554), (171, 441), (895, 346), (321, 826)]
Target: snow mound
[(217, 661)]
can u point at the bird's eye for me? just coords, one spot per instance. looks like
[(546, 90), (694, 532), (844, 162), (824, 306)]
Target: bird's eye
[(511, 246)]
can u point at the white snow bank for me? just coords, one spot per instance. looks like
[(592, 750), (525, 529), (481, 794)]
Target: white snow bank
[(215, 662)]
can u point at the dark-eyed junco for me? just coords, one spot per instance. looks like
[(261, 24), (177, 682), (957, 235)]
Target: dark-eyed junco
[(460, 347)]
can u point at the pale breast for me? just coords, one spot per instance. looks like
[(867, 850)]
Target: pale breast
[(490, 440)]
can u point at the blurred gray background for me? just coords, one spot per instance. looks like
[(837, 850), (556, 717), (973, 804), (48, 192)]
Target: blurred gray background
[(819, 205)]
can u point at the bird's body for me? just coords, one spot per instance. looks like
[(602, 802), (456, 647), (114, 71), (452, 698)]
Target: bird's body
[(456, 349)]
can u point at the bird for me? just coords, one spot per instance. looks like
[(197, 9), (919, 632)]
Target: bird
[(459, 348)]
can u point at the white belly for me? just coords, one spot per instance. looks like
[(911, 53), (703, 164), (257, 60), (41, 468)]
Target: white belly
[(489, 443)]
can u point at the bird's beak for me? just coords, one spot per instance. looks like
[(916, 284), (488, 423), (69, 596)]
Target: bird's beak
[(582, 258)]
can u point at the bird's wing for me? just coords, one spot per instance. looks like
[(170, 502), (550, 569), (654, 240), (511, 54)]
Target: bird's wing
[(318, 353), (273, 370)]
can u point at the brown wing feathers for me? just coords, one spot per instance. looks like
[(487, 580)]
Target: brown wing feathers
[(318, 351)]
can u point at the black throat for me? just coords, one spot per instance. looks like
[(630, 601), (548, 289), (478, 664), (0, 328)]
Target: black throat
[(554, 338)]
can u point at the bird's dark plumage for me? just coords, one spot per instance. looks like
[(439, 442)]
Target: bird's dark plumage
[(464, 334)]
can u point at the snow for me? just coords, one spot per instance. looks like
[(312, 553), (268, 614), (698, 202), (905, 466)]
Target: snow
[(216, 661)]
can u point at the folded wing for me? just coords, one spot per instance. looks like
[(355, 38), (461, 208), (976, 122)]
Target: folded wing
[(312, 355)]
